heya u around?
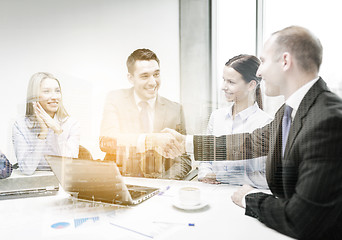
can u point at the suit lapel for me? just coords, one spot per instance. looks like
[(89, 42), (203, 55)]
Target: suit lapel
[(302, 111), (159, 115), (274, 159)]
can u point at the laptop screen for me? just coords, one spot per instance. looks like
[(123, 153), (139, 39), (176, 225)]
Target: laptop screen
[(91, 179)]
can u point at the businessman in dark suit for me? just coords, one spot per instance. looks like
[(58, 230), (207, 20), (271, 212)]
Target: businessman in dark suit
[(303, 144)]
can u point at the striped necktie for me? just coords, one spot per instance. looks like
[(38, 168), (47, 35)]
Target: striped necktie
[(286, 124)]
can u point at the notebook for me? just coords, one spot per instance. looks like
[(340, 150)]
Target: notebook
[(42, 183), (97, 180)]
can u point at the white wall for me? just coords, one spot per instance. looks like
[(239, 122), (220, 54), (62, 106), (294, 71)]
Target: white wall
[(85, 44)]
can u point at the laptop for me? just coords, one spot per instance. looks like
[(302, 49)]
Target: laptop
[(97, 180), (42, 183)]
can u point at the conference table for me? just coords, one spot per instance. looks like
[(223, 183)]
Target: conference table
[(62, 216)]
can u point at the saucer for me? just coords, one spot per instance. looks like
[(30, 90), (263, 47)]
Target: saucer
[(179, 205)]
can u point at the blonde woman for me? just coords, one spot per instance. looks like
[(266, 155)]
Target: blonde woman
[(46, 129)]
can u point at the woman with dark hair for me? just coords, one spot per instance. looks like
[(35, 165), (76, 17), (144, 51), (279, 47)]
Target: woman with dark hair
[(46, 129), (241, 86)]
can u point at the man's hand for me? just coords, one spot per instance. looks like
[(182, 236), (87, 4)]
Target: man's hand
[(210, 178), (163, 143), (240, 193), (108, 145), (179, 137)]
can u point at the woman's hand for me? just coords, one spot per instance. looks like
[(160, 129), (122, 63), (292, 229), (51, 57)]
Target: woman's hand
[(46, 119), (43, 127)]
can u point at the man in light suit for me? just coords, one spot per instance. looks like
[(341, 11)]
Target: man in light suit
[(304, 170), (127, 123)]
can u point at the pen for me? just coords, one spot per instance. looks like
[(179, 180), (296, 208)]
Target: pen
[(187, 224), (131, 230), (163, 191)]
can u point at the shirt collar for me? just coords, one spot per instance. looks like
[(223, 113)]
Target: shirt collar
[(244, 114), (296, 98), (151, 102)]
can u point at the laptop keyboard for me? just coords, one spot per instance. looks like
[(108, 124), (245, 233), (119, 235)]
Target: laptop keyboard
[(136, 194), (138, 191)]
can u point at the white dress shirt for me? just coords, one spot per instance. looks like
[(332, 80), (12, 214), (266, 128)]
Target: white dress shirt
[(243, 171), (221, 121), (30, 150), (151, 110)]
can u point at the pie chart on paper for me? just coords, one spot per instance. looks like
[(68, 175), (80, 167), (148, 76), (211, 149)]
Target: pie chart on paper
[(60, 225)]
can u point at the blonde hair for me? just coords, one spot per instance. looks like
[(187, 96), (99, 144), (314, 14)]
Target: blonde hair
[(33, 91)]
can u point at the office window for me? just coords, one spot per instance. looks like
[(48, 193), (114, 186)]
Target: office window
[(322, 18), (233, 33)]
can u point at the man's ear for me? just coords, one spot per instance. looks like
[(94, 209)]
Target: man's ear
[(287, 61), (130, 77)]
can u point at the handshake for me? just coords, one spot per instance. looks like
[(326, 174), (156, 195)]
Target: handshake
[(169, 143)]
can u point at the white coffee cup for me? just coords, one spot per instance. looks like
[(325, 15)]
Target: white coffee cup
[(189, 196)]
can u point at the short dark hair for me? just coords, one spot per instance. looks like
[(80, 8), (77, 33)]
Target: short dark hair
[(140, 55), (301, 43), (247, 66)]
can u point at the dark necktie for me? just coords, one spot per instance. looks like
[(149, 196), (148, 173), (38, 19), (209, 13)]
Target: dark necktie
[(144, 119), (286, 124)]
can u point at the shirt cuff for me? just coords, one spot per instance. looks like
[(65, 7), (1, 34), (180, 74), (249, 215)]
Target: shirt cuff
[(244, 197), (203, 169), (189, 144)]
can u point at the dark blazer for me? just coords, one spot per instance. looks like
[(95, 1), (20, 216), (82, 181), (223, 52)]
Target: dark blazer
[(121, 121), (306, 183)]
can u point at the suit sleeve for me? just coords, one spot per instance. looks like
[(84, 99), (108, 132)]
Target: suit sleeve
[(232, 147), (183, 167), (181, 128), (315, 207)]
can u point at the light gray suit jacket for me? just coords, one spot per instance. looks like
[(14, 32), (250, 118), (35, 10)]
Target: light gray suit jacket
[(121, 122)]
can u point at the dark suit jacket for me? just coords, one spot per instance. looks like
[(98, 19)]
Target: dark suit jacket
[(121, 121), (306, 183)]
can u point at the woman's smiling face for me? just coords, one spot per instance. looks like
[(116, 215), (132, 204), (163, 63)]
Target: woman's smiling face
[(234, 86), (50, 96)]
